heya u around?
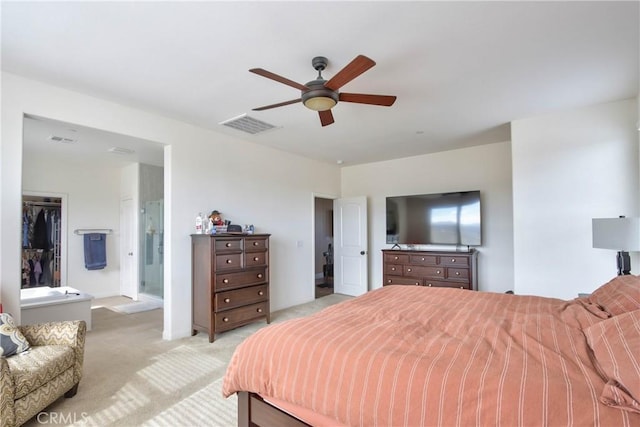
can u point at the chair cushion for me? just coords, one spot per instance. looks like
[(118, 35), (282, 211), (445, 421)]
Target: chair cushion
[(11, 339), (40, 365)]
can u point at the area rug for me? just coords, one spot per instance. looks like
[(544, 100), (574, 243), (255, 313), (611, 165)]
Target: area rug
[(135, 307)]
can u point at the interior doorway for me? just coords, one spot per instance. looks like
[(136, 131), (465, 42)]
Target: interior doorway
[(57, 156), (323, 251)]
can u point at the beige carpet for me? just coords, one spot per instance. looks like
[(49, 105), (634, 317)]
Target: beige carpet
[(134, 378)]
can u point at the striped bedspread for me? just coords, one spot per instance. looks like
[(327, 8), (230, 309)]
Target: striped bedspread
[(416, 356)]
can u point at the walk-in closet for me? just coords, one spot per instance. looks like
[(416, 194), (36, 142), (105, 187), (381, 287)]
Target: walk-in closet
[(41, 241)]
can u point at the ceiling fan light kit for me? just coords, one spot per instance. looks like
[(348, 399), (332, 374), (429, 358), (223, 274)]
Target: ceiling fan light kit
[(320, 99), (320, 103), (321, 95)]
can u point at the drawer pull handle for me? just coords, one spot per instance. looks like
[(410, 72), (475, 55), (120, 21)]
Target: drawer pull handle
[(461, 287), (437, 271), (393, 269), (429, 284), (255, 258), (225, 280), (255, 243), (261, 293), (417, 283), (422, 258), (259, 275), (228, 245), (225, 319), (229, 261), (457, 273), (395, 257), (259, 310), (388, 280), (453, 260), (409, 270), (227, 300)]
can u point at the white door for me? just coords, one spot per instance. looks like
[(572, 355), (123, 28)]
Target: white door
[(127, 250), (350, 246)]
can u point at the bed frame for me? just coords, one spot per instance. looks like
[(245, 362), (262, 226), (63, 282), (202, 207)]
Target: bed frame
[(253, 411)]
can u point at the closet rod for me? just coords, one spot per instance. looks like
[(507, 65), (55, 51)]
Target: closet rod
[(81, 231)]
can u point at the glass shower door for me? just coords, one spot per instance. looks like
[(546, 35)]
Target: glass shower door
[(152, 242)]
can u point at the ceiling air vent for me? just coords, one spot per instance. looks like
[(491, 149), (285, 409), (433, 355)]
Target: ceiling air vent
[(247, 124), (61, 139), (120, 150)]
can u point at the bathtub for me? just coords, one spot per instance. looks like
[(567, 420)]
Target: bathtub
[(46, 304)]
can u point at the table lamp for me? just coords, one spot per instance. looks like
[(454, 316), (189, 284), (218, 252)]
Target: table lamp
[(621, 234)]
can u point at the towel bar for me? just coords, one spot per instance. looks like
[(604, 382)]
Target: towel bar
[(81, 231)]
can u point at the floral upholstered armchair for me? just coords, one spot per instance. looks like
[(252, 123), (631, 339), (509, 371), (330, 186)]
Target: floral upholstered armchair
[(34, 378)]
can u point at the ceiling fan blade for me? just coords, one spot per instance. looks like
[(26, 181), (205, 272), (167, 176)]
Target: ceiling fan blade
[(279, 104), (353, 69), (326, 117), (280, 79), (361, 98)]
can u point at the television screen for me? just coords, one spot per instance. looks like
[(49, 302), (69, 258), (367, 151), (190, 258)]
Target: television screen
[(442, 219)]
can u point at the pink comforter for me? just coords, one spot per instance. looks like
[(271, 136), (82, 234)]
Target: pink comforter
[(415, 356)]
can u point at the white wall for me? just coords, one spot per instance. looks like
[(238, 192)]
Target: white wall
[(92, 202), (486, 168), (204, 170), (568, 168)]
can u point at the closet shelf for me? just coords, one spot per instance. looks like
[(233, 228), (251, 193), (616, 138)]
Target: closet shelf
[(35, 203)]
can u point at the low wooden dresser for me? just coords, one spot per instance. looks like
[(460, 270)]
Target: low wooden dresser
[(230, 281), (430, 268)]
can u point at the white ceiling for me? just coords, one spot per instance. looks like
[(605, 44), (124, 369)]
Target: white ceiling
[(461, 70)]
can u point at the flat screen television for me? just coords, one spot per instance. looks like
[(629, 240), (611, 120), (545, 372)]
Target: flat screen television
[(435, 219)]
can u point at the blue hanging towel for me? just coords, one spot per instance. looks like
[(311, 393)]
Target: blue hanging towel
[(95, 251)]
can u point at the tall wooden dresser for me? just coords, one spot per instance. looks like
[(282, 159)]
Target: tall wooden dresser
[(430, 268), (230, 281)]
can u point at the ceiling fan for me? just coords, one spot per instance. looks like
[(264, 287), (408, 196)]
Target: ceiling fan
[(321, 95)]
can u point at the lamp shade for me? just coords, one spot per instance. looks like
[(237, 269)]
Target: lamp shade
[(320, 103), (621, 234)]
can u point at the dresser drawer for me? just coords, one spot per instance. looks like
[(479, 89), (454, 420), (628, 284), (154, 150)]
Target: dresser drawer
[(228, 244), (241, 278), (417, 271), (230, 319), (441, 284), (397, 280), (228, 261), (423, 259), (255, 244), (255, 258), (458, 274), (396, 258), (394, 269), (462, 261), (239, 297)]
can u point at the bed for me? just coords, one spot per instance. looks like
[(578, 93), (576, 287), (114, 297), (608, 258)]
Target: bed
[(418, 356)]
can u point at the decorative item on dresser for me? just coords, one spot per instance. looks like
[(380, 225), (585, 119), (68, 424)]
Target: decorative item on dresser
[(449, 269), (230, 281)]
